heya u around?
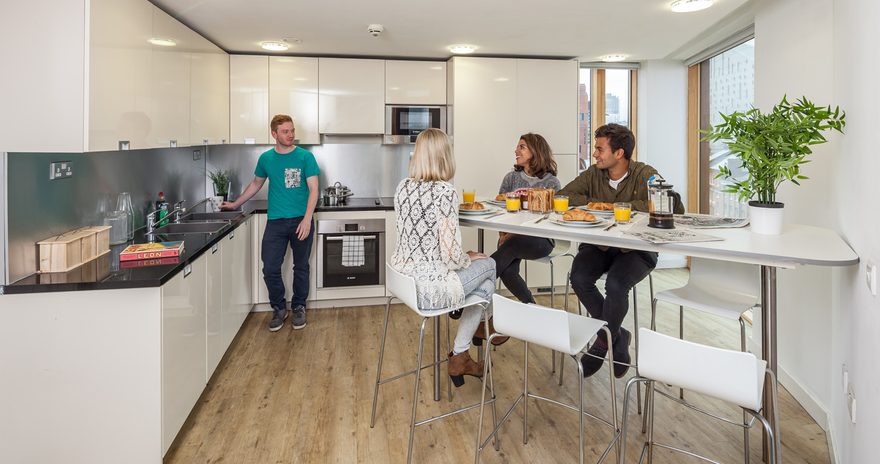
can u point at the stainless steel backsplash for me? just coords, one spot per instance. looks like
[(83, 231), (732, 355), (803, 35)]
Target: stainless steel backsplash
[(38, 208), (369, 170)]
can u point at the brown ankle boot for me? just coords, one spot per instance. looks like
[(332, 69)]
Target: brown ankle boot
[(460, 365), (480, 335)]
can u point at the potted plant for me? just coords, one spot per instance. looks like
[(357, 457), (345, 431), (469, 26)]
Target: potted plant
[(220, 179), (772, 147)]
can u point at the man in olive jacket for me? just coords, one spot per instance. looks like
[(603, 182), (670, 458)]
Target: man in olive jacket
[(614, 177)]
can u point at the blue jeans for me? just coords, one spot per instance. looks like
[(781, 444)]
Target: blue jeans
[(279, 233), (476, 279)]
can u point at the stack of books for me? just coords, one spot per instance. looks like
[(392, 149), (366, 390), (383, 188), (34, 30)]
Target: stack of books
[(150, 254)]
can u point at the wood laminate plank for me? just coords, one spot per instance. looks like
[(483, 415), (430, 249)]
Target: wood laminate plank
[(305, 396)]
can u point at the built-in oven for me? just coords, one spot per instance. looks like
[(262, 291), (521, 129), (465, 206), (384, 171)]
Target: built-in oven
[(351, 252), (404, 123)]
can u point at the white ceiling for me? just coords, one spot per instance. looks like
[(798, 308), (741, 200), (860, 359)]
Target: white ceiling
[(586, 29)]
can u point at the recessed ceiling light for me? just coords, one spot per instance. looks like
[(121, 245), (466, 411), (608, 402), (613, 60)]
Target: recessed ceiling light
[(162, 42), (687, 6), (462, 49), (274, 46), (613, 58)]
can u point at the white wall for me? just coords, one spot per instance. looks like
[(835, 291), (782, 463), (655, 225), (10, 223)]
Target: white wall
[(856, 316), (801, 67), (827, 51), (661, 137)]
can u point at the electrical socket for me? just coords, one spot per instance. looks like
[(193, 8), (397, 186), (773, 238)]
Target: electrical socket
[(60, 170), (197, 155), (871, 277)]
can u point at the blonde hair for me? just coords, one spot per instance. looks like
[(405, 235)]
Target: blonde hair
[(432, 159), (278, 120)]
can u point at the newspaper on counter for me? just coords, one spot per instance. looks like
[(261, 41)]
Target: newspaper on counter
[(652, 235), (705, 221)]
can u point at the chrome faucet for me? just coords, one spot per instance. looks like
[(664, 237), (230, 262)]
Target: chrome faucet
[(178, 211), (152, 219)]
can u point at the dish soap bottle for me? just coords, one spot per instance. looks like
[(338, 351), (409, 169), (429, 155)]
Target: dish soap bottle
[(162, 207)]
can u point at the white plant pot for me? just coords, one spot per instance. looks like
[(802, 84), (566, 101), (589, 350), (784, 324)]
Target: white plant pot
[(766, 218)]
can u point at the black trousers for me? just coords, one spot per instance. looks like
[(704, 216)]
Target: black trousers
[(511, 253), (625, 270)]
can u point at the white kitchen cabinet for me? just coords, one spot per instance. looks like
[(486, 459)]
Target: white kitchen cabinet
[(249, 99), (120, 101), (415, 82), (209, 95), (236, 290), (293, 90), (213, 311), (546, 99), (170, 82), (351, 96), (183, 346)]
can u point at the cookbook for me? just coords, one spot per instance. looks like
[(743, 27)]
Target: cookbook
[(151, 251)]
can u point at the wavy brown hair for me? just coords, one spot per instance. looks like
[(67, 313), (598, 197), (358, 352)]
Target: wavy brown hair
[(542, 160)]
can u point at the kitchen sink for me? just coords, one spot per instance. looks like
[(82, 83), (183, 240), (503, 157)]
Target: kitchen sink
[(221, 215), (191, 228)]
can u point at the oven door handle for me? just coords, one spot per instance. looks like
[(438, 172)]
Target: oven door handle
[(334, 238)]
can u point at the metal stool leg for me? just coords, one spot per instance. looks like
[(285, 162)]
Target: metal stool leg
[(412, 423), (448, 350), (636, 335), (379, 367), (581, 410), (681, 337), (742, 343), (526, 393)]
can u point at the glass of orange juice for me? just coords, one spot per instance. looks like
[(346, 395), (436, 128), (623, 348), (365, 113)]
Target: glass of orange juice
[(469, 195), (560, 203), (513, 203), (622, 212)]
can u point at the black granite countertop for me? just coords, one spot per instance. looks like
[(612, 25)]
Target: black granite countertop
[(106, 272)]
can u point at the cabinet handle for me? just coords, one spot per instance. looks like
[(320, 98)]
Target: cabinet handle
[(214, 248), (232, 235), (187, 270)]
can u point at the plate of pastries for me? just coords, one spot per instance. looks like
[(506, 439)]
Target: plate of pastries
[(578, 218), (598, 208), (476, 208)]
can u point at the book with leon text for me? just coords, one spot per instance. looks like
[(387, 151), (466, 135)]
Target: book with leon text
[(151, 251)]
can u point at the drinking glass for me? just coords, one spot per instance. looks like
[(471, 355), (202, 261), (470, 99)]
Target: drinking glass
[(118, 222), (622, 212), (513, 203), (560, 203), (469, 195), (123, 203)]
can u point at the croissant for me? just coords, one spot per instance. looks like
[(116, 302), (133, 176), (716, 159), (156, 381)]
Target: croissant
[(501, 197), (471, 206), (599, 206), (578, 215)]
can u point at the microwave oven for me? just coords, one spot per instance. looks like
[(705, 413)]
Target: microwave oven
[(404, 123)]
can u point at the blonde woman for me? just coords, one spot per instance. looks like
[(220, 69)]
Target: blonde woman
[(429, 246)]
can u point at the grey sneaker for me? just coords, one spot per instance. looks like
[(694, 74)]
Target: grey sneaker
[(278, 317), (299, 317)]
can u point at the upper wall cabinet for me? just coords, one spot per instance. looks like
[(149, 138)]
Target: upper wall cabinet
[(170, 81), (209, 96), (415, 83), (351, 96), (293, 90), (546, 100), (249, 99), (119, 78)]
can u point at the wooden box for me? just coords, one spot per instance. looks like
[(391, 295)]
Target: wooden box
[(66, 251)]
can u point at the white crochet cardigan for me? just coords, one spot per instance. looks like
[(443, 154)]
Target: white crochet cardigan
[(429, 241)]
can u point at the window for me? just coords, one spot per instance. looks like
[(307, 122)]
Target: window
[(724, 83), (618, 106)]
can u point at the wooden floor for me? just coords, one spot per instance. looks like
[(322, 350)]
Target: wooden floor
[(305, 396)]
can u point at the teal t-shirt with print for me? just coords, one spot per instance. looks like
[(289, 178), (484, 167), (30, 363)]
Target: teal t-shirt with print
[(287, 174)]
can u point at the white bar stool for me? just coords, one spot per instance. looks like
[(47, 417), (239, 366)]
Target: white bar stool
[(403, 288), (559, 331), (723, 289), (733, 376)]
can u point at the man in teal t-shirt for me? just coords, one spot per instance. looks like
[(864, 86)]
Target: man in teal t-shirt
[(293, 194)]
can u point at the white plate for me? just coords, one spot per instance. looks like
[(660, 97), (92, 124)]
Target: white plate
[(581, 224), (598, 212), (501, 203), (478, 212)]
